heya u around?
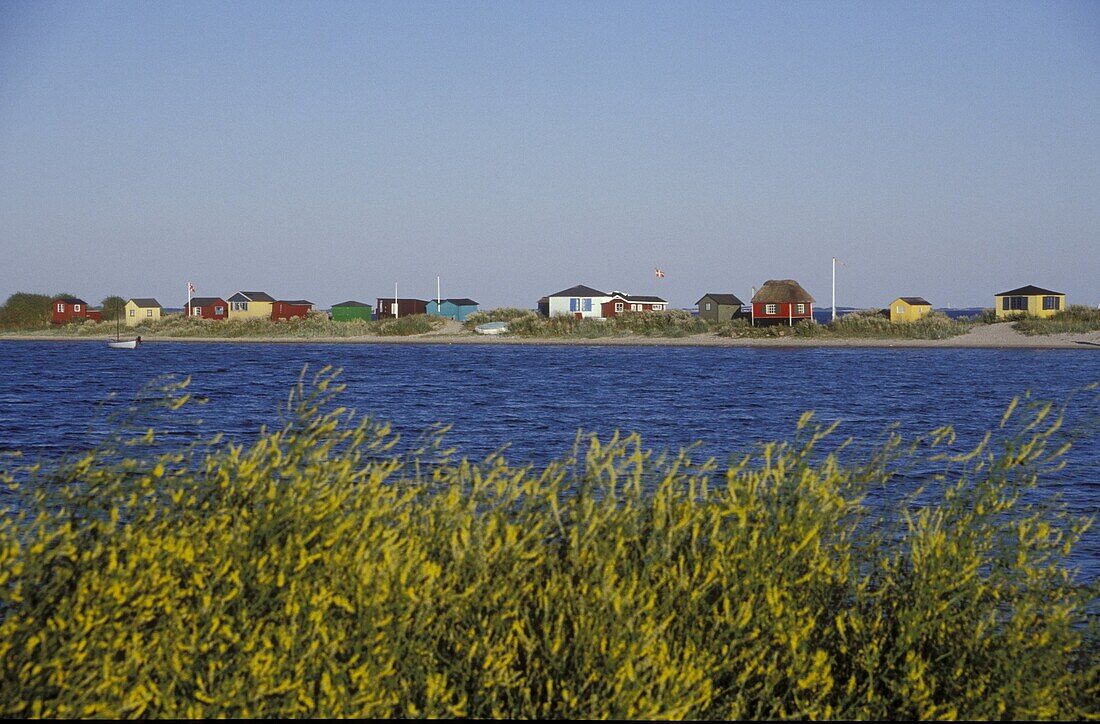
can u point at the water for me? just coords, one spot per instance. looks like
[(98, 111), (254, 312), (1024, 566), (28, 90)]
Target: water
[(535, 398)]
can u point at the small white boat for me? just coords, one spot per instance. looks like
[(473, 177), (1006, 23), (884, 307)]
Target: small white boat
[(122, 343), (492, 328)]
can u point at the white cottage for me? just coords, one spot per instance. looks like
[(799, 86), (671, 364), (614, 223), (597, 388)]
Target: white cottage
[(579, 301)]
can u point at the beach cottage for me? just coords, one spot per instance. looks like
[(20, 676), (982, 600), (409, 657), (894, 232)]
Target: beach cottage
[(400, 307), (719, 307), (909, 309), (283, 310), (347, 311), (141, 309), (1031, 300), (620, 303), (206, 308), (71, 309), (781, 301), (456, 309), (251, 305), (579, 301)]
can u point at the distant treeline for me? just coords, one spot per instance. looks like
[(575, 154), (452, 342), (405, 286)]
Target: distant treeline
[(26, 310)]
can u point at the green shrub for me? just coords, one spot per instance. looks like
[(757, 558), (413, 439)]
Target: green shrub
[(1074, 319), (317, 571), (24, 310), (502, 314)]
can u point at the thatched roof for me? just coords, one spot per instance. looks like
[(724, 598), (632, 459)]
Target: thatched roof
[(781, 291)]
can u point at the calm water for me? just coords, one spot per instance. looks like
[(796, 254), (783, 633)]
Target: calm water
[(536, 398)]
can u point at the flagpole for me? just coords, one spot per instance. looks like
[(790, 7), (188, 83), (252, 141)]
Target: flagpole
[(834, 289), (438, 298), (395, 299), (189, 310)]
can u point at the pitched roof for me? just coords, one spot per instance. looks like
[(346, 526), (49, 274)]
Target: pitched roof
[(252, 297), (462, 302), (636, 298), (70, 300), (351, 303), (297, 302), (206, 301), (145, 302), (579, 291), (781, 291), (916, 300), (1029, 290), (723, 299), (400, 299)]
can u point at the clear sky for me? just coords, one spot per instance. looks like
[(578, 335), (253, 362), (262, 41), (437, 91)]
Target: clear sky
[(328, 150)]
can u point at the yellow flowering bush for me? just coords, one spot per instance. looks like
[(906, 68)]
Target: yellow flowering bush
[(323, 569)]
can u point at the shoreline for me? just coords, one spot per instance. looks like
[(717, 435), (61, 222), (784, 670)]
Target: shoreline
[(986, 337)]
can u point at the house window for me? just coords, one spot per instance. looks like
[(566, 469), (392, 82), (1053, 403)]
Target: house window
[(769, 309), (618, 306), (586, 305), (239, 306), (76, 307), (635, 307), (196, 311), (1051, 303), (133, 312), (708, 306), (801, 309), (658, 307), (575, 304), (901, 310), (219, 310), (148, 312), (1014, 303), (61, 308)]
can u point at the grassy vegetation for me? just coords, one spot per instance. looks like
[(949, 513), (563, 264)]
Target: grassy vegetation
[(859, 325), (525, 323), (317, 571), (1076, 318), (316, 325)]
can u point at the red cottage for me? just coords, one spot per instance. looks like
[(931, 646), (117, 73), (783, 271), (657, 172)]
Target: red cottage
[(207, 308), (289, 310), (620, 303), (781, 301), (71, 309)]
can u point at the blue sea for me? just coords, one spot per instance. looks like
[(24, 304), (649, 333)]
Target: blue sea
[(55, 396)]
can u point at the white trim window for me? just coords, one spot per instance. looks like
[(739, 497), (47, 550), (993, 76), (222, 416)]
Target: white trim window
[(801, 309), (76, 307), (661, 307), (148, 312), (60, 308), (618, 306), (133, 312), (770, 309), (196, 311), (219, 310), (708, 306)]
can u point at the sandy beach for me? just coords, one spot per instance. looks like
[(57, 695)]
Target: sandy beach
[(993, 336)]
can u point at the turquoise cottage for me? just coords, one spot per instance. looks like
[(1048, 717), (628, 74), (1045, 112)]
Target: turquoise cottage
[(456, 309)]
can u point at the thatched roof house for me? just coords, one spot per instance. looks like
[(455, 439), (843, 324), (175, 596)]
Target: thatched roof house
[(782, 291), (781, 301)]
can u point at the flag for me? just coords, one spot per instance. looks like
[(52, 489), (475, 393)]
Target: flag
[(190, 288), (660, 274)]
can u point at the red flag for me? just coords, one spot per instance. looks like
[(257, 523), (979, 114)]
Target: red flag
[(660, 274)]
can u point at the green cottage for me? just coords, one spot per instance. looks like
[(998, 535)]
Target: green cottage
[(347, 311)]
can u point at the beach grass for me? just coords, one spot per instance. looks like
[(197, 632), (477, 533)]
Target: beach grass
[(1074, 319), (325, 568), (871, 324)]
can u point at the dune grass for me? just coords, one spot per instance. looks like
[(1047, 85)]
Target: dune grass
[(871, 324), (316, 325), (323, 569), (1074, 319)]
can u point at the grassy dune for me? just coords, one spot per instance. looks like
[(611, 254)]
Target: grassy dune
[(318, 571)]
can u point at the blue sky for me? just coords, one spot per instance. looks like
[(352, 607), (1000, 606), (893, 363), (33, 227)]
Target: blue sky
[(329, 150)]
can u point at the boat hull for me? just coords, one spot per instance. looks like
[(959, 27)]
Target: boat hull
[(123, 344)]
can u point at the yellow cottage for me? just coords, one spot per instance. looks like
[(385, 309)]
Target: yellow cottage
[(250, 305), (1030, 300), (909, 309), (136, 311)]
